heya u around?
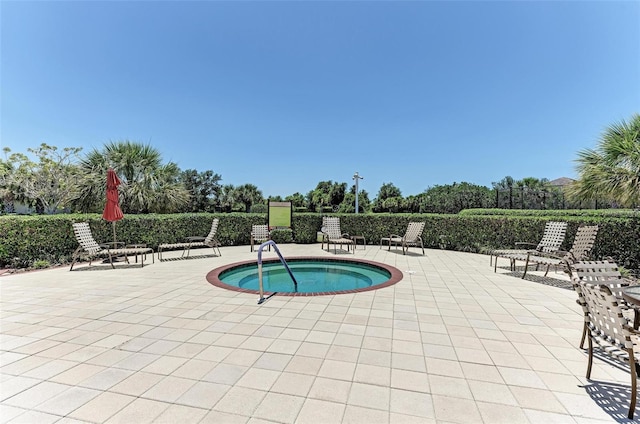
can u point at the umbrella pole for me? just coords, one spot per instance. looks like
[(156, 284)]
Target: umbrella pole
[(113, 223)]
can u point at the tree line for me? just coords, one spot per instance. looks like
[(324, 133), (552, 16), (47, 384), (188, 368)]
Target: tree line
[(54, 180)]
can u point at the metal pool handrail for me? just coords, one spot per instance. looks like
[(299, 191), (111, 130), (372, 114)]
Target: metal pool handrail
[(275, 247)]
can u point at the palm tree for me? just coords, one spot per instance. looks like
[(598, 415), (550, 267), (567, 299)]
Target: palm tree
[(227, 198), (612, 170), (148, 185), (248, 195)]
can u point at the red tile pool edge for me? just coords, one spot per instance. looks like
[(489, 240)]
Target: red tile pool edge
[(213, 277)]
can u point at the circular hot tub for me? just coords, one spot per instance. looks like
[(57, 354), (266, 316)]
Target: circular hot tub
[(314, 276)]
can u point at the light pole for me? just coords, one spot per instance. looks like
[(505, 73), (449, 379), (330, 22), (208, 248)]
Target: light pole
[(357, 177)]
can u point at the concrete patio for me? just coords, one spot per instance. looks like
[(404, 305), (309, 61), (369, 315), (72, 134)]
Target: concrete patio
[(453, 342)]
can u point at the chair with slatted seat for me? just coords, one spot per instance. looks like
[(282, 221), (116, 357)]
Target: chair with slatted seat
[(609, 329), (196, 241), (580, 250), (260, 234), (552, 239), (412, 237), (605, 273), (91, 249), (332, 234)]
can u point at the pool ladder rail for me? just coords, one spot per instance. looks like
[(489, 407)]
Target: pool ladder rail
[(284, 262)]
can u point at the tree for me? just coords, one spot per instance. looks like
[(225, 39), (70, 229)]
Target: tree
[(49, 184), (326, 194), (392, 204), (148, 185), (297, 200), (7, 190), (227, 198), (612, 169), (247, 195), (413, 204), (389, 198), (505, 186), (455, 197), (531, 193), (348, 204), (388, 190), (204, 188)]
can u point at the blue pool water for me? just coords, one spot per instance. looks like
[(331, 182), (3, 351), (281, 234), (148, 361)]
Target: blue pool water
[(313, 276)]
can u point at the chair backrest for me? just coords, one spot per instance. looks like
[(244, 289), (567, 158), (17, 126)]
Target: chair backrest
[(604, 273), (583, 243), (211, 237), (414, 231), (260, 232), (553, 237), (85, 238), (331, 227), (604, 315)]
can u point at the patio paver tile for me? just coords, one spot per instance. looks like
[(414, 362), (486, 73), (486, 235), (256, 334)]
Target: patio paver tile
[(67, 401), (316, 411), (102, 407), (139, 411)]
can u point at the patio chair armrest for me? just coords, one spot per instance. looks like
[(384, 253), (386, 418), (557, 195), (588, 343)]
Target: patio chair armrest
[(629, 327), (195, 238), (524, 243), (112, 244), (559, 255)]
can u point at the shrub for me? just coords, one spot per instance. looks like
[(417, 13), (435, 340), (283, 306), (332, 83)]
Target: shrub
[(282, 236), (41, 264), (621, 213)]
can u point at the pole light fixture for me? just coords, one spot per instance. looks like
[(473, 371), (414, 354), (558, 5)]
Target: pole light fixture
[(357, 177)]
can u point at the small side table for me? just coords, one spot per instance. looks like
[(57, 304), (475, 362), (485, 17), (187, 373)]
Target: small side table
[(632, 295), (355, 242)]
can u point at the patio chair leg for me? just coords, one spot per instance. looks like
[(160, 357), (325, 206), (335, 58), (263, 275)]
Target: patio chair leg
[(590, 354), (634, 379), (111, 261), (584, 335), (526, 267), (75, 257)]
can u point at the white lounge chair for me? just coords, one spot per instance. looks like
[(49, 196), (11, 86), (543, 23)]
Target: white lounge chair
[(196, 241)]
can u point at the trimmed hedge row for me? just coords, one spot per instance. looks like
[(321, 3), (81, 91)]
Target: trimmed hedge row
[(27, 239), (622, 213)]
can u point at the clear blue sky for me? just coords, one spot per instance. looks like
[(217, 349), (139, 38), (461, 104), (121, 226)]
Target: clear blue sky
[(286, 94)]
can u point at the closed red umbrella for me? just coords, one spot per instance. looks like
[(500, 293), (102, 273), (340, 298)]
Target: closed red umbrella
[(112, 211)]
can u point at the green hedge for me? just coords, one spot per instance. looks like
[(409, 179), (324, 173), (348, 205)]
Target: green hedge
[(27, 239), (621, 213)]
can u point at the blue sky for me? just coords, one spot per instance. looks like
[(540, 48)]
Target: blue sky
[(286, 94)]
